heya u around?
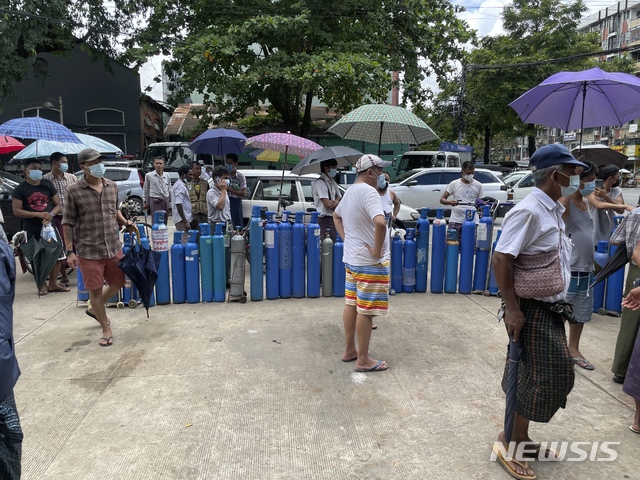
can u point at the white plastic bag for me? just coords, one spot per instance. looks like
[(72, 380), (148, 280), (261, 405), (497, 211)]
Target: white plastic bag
[(48, 233)]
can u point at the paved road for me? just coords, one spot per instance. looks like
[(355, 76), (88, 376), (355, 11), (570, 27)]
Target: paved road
[(258, 391)]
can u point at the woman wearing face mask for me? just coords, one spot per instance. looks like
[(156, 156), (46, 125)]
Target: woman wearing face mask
[(218, 205), (606, 202), (579, 227), (464, 190), (326, 197), (36, 201)]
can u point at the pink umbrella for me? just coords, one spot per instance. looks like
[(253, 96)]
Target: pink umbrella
[(9, 144), (283, 142)]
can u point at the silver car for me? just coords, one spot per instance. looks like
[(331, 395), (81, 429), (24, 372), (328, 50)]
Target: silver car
[(130, 182)]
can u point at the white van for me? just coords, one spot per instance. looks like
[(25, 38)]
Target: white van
[(426, 159)]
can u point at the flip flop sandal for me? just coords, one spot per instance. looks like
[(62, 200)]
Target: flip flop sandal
[(376, 368), (505, 463), (93, 315), (108, 341), (634, 430), (583, 363)]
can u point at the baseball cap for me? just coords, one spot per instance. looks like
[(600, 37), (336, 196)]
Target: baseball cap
[(368, 161), (88, 155), (553, 154)]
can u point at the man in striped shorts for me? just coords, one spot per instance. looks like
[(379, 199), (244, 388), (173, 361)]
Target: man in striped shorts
[(360, 221)]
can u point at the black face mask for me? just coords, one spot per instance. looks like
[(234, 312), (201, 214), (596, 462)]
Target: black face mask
[(616, 184)]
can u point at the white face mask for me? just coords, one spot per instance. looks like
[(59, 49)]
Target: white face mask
[(332, 172), (574, 185), (468, 178)]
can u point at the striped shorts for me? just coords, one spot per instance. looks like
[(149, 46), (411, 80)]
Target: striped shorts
[(367, 287)]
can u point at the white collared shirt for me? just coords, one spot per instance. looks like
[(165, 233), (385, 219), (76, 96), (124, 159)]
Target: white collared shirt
[(533, 226)]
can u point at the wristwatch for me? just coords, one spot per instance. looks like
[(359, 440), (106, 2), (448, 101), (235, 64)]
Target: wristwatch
[(636, 283), (69, 251)]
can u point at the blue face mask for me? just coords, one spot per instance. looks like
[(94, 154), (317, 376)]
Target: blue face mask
[(589, 188), (382, 182), (574, 185), (332, 172), (97, 170), (230, 167), (64, 167), (35, 175)]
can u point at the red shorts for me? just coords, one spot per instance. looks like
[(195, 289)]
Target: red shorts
[(96, 273)]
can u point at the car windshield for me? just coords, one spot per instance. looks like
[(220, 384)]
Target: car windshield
[(404, 176), (174, 156), (512, 179)]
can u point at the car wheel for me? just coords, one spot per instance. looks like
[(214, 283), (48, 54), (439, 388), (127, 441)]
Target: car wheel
[(137, 205)]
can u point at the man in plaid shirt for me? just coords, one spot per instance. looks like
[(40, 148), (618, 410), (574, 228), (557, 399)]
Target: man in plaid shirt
[(61, 180), (91, 210)]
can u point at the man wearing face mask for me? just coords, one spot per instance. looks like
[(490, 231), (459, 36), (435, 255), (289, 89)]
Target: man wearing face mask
[(157, 189), (91, 211), (466, 191), (579, 227), (237, 189), (360, 221), (218, 198), (532, 268), (61, 180), (37, 202), (326, 197)]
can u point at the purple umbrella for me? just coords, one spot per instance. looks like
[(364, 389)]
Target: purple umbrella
[(219, 141), (579, 100), (39, 129)]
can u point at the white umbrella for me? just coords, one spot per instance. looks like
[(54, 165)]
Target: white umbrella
[(44, 148)]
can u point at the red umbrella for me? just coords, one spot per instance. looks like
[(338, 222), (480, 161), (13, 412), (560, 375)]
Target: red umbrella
[(9, 144)]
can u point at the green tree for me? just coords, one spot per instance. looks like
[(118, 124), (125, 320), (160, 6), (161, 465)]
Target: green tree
[(28, 29), (245, 53), (536, 31)]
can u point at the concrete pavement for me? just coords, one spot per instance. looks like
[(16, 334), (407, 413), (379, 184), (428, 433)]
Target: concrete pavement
[(258, 391)]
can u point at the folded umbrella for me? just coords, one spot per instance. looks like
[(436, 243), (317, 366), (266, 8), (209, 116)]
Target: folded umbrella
[(141, 266), (515, 352), (42, 255), (617, 261)]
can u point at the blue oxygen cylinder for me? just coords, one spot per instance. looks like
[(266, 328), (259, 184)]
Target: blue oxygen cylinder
[(327, 265), (83, 293), (484, 235), (286, 253), (206, 262), (422, 250), (271, 257), (192, 268), (126, 290), (600, 258), (467, 251), (409, 263), (493, 285), (297, 241), (220, 263), (339, 272), (178, 283), (256, 253), (144, 243), (160, 242), (313, 257), (396, 264), (438, 244), (453, 251)]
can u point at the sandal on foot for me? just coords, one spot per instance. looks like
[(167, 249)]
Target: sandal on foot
[(64, 283), (378, 367), (93, 315), (549, 453), (505, 462), (583, 363), (374, 326), (105, 342), (634, 430), (60, 288)]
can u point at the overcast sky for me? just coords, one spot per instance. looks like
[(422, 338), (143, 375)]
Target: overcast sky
[(482, 15)]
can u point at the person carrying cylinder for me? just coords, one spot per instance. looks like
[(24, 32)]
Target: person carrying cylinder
[(579, 228), (360, 221), (462, 194), (327, 196), (218, 204), (180, 202)]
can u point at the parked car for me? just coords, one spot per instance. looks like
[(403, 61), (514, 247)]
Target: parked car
[(423, 187), (519, 185), (12, 224), (346, 178), (130, 183), (263, 189), (425, 159)]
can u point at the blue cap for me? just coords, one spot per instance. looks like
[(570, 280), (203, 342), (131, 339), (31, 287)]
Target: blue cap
[(553, 154)]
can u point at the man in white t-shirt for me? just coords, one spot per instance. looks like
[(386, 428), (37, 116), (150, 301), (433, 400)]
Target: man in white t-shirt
[(360, 221), (466, 191)]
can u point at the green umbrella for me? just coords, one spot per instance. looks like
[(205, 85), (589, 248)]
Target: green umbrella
[(42, 255), (379, 123)]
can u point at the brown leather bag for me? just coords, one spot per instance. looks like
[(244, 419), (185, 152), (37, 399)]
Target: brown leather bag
[(538, 276)]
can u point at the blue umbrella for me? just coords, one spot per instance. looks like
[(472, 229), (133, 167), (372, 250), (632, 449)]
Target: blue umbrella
[(515, 352), (39, 129), (44, 148), (219, 141)]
